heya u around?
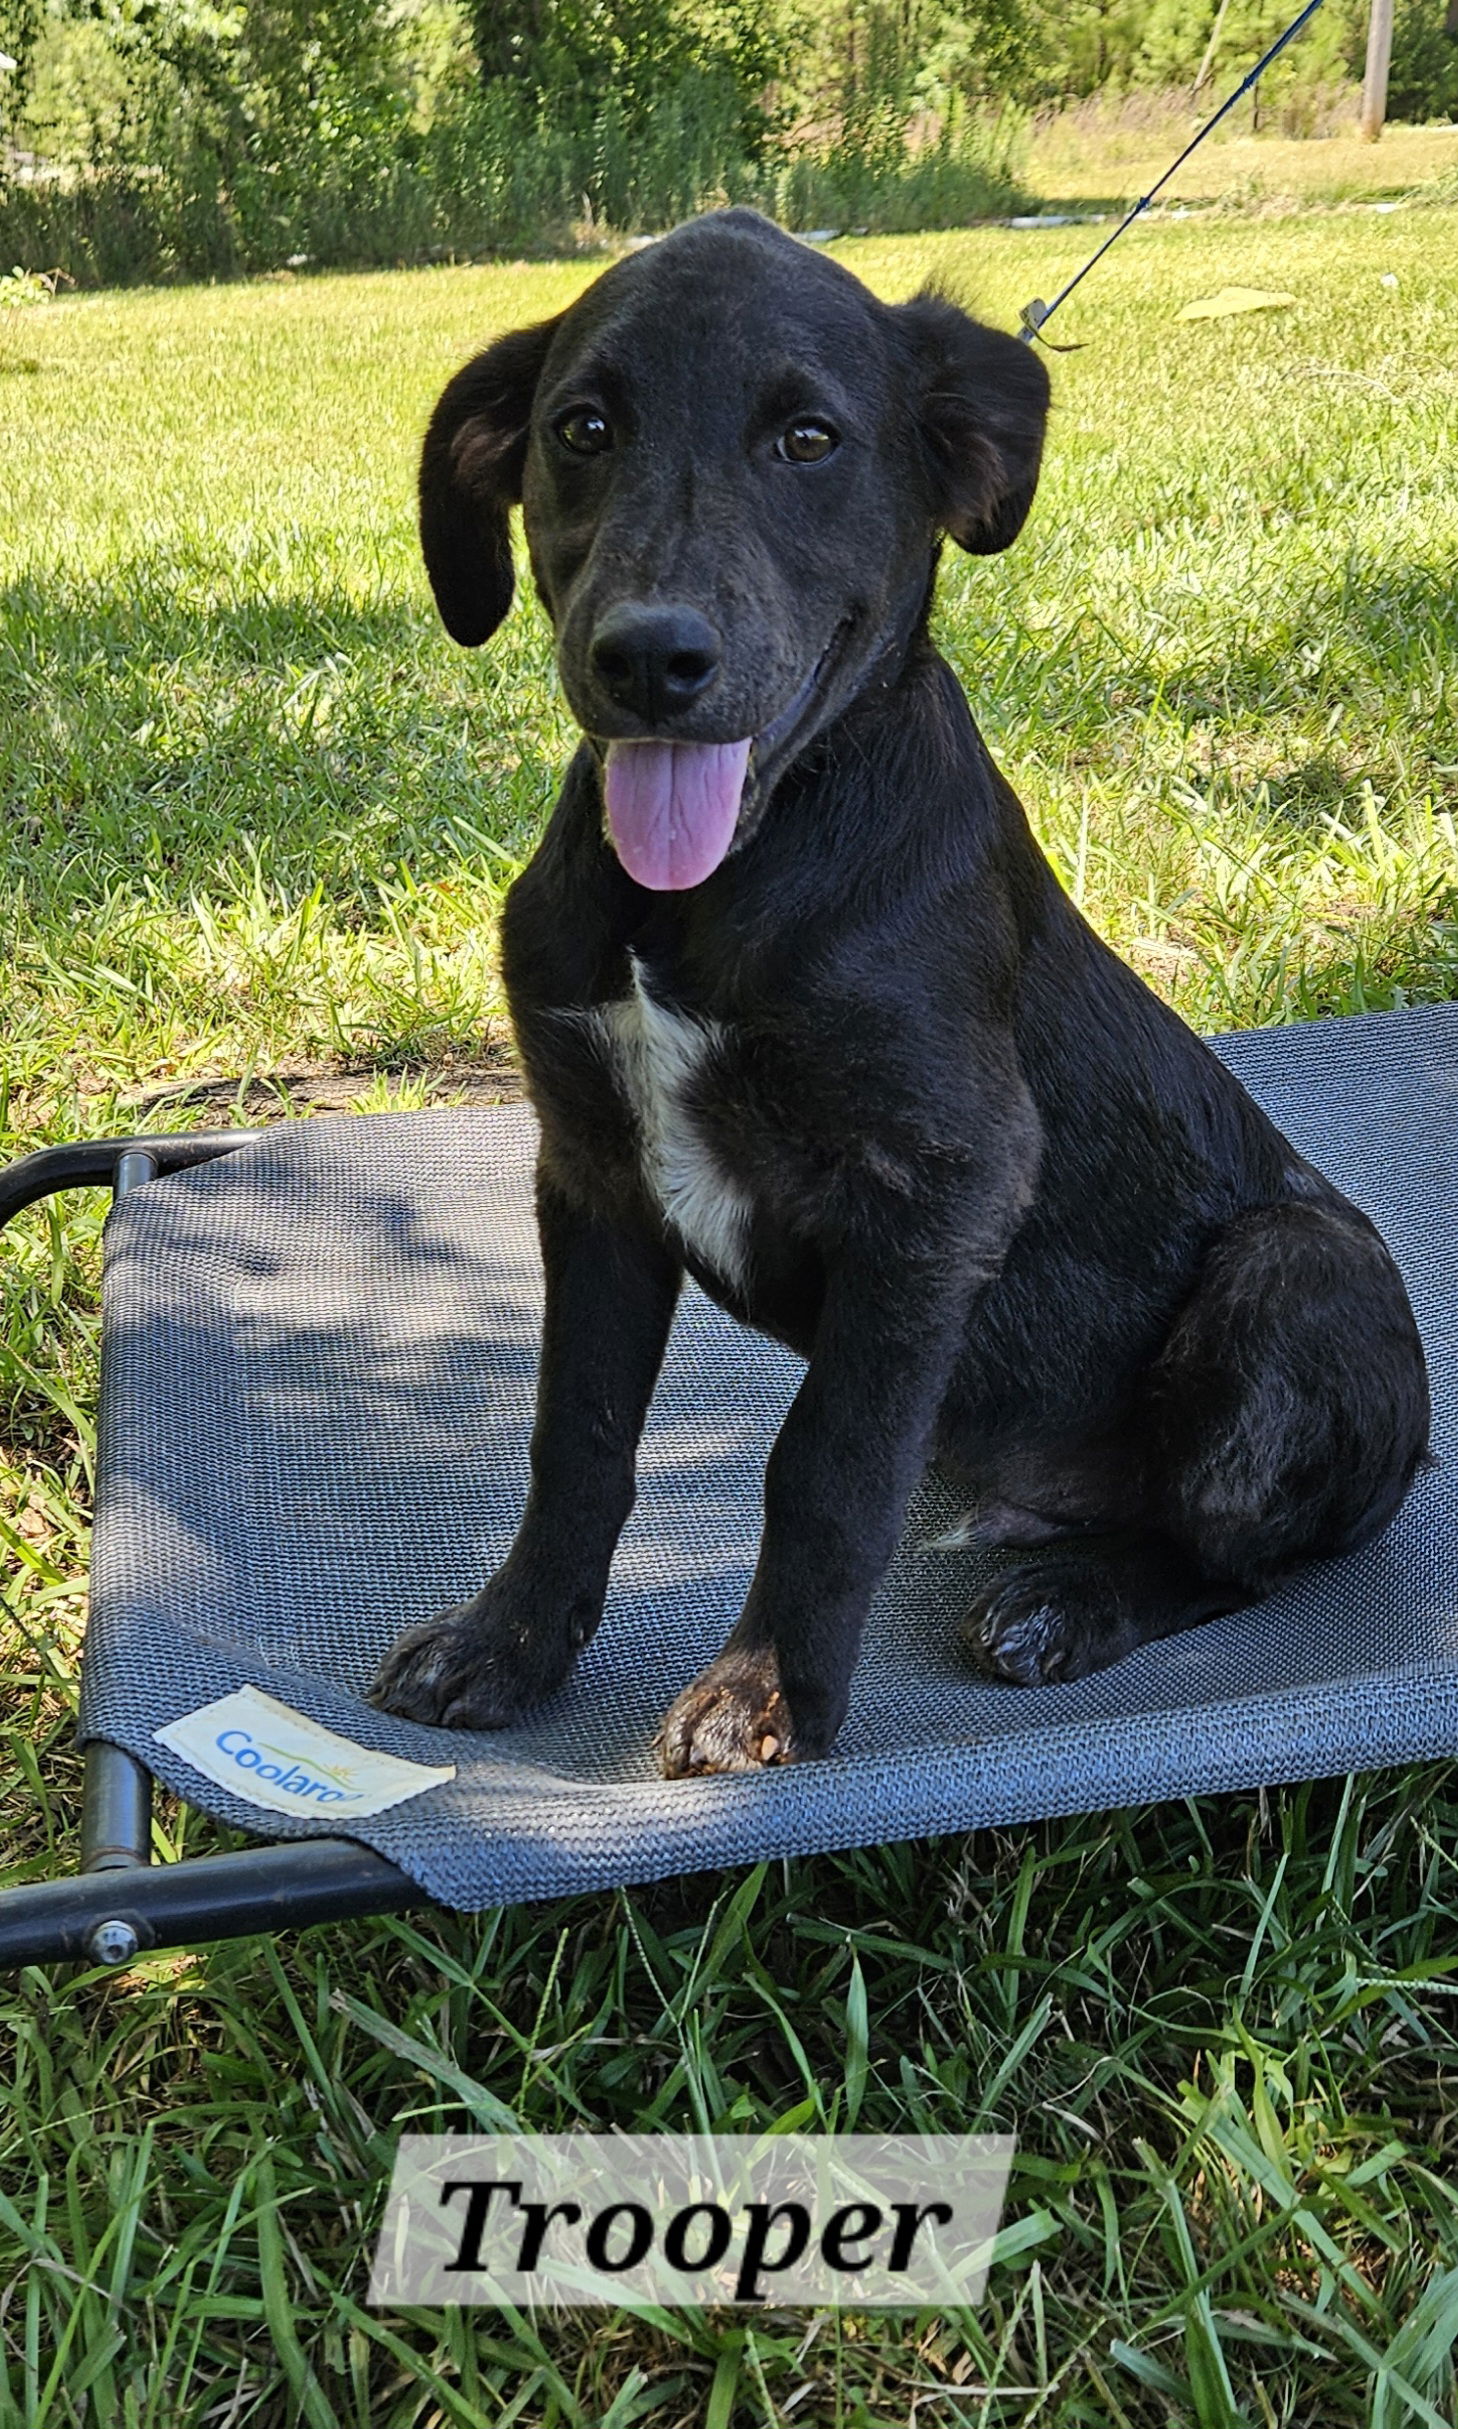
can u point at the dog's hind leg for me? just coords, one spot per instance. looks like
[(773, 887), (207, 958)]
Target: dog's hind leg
[(1059, 1617), (1288, 1411), (1282, 1421)]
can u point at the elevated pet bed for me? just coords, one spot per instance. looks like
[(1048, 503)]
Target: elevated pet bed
[(319, 1347)]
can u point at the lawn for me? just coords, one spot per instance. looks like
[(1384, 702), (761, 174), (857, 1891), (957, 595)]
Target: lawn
[(259, 813), (1107, 151)]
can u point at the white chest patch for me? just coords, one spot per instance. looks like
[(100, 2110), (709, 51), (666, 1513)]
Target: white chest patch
[(655, 1054)]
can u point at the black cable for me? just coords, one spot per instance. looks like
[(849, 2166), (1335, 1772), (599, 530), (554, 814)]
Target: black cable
[(1036, 315)]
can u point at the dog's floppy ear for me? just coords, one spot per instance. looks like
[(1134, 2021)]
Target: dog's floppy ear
[(982, 399), (470, 478)]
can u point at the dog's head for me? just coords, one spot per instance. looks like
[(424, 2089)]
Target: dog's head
[(736, 467)]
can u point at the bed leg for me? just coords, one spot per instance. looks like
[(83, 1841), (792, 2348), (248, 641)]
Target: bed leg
[(116, 1812), (116, 1836)]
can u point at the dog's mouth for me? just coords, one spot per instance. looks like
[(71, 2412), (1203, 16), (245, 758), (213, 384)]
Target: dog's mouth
[(674, 808)]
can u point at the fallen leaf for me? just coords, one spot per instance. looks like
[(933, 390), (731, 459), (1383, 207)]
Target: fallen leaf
[(1234, 299)]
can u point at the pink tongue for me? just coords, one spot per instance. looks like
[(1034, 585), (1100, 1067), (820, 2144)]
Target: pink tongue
[(673, 807)]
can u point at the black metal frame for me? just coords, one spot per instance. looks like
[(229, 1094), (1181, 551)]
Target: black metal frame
[(119, 1904)]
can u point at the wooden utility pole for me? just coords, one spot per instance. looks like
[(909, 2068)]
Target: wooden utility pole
[(1379, 58), (1213, 45)]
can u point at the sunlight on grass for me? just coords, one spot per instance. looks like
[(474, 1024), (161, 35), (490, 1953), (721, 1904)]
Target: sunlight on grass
[(1113, 151)]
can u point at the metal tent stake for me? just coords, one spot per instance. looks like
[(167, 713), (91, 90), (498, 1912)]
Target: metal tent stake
[(1036, 315)]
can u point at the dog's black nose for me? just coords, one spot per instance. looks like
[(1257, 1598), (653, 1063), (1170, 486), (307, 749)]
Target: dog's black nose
[(654, 660)]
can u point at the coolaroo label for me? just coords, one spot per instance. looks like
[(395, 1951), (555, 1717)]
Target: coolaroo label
[(259, 1750)]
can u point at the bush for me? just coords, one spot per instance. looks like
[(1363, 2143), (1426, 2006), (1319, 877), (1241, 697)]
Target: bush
[(497, 172), (966, 171)]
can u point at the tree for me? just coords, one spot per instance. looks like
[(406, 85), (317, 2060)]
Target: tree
[(20, 30), (578, 52)]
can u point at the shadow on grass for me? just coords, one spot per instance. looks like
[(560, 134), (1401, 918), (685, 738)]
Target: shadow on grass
[(163, 735), (1382, 640), (157, 619), (1390, 620)]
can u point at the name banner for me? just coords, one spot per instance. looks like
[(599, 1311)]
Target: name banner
[(612, 2220)]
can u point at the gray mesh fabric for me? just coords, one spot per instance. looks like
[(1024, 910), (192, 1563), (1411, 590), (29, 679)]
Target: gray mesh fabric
[(319, 1357)]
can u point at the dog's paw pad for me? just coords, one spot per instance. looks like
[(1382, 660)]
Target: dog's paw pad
[(732, 1718)]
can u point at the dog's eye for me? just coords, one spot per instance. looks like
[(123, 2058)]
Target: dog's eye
[(585, 432), (806, 443)]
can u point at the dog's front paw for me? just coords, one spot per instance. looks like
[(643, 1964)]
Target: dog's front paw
[(478, 1666), (732, 1718), (1043, 1624)]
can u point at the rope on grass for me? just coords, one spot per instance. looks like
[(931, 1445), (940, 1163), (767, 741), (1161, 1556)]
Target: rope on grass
[(1035, 316)]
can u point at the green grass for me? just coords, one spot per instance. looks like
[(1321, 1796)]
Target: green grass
[(1114, 147), (257, 817)]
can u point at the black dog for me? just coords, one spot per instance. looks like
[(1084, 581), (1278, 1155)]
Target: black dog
[(803, 1008)]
